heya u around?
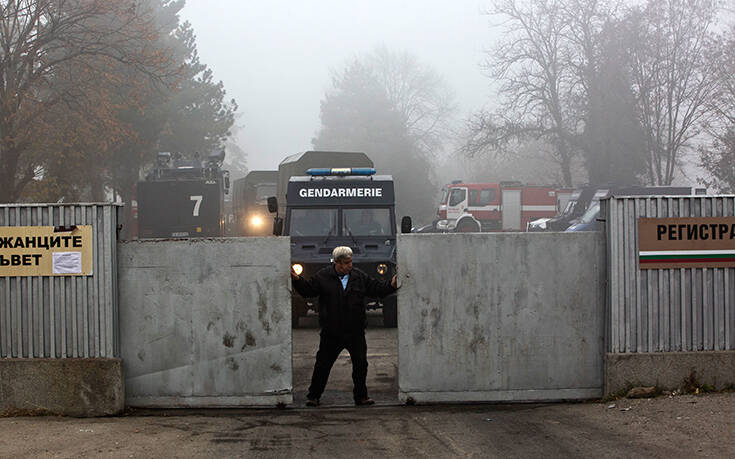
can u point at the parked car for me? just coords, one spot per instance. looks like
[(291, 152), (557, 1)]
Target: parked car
[(589, 221), (578, 202)]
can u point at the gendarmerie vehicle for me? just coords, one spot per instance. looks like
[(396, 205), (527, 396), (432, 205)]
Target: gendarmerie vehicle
[(183, 198), (341, 207)]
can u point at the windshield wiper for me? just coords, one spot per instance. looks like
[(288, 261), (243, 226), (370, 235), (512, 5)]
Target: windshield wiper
[(329, 234), (351, 236)]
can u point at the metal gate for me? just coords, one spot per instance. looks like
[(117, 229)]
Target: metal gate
[(501, 316), (206, 322)]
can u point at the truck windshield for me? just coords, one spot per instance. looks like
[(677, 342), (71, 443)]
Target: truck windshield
[(264, 191), (573, 199), (592, 213), (443, 199), (366, 222), (313, 222)]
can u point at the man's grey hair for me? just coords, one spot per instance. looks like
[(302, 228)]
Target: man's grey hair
[(340, 253)]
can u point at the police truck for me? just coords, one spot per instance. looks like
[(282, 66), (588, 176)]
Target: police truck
[(330, 207), (183, 197)]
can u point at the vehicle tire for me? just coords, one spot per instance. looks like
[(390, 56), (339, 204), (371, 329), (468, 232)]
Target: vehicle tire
[(467, 226), (390, 311), (298, 309)]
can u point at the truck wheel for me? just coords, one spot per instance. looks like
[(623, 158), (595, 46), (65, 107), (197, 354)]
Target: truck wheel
[(390, 311), (298, 309), (467, 226)]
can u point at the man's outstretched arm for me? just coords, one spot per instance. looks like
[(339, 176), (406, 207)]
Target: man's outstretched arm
[(307, 288), (380, 288)]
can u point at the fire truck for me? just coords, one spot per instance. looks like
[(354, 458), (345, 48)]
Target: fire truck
[(504, 206)]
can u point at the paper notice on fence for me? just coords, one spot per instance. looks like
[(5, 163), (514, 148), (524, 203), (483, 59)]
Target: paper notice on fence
[(67, 262)]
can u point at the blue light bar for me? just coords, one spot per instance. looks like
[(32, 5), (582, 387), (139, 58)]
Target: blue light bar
[(325, 171)]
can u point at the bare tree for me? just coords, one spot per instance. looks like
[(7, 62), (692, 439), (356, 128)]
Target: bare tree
[(598, 51), (718, 158), (570, 76), (40, 40), (418, 93), (535, 84), (396, 110), (672, 79)]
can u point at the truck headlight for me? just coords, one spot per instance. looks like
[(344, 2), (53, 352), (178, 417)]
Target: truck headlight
[(256, 221), (297, 268), (382, 269)]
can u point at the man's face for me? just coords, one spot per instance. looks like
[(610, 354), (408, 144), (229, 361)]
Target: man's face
[(344, 266)]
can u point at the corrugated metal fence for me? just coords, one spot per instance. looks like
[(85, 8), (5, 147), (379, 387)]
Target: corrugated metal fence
[(665, 310), (63, 316)]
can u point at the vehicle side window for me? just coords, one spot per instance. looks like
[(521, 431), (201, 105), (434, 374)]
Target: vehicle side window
[(457, 197), (487, 195), (473, 197)]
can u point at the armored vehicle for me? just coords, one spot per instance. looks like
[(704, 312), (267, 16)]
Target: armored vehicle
[(332, 207), (183, 198)]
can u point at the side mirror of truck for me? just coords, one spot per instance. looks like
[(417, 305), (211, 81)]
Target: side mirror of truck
[(406, 224), (272, 204), (277, 226), (226, 175)]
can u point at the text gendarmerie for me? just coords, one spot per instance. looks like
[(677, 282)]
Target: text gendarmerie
[(695, 232), (341, 193)]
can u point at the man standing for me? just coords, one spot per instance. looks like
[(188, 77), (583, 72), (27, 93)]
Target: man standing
[(341, 291)]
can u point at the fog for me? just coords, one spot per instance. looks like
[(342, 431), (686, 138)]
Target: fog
[(275, 57), (552, 93)]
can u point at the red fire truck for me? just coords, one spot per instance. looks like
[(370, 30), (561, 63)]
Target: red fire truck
[(504, 206)]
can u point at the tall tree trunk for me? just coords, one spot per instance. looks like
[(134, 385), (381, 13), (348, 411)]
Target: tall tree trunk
[(566, 165), (8, 171)]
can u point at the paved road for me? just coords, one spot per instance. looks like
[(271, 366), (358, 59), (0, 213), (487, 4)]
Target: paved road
[(683, 426)]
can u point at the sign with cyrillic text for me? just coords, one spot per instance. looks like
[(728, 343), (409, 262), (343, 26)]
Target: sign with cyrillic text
[(42, 251), (692, 242)]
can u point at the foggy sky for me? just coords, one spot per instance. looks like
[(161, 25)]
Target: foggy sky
[(274, 57)]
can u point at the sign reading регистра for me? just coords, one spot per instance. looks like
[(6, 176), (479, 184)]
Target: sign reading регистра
[(687, 242)]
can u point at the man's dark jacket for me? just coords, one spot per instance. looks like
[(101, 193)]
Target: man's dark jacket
[(342, 311)]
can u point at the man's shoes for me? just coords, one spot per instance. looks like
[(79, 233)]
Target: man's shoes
[(365, 402), (312, 402)]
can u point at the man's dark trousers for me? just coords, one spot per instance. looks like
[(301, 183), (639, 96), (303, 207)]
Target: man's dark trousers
[(330, 346)]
